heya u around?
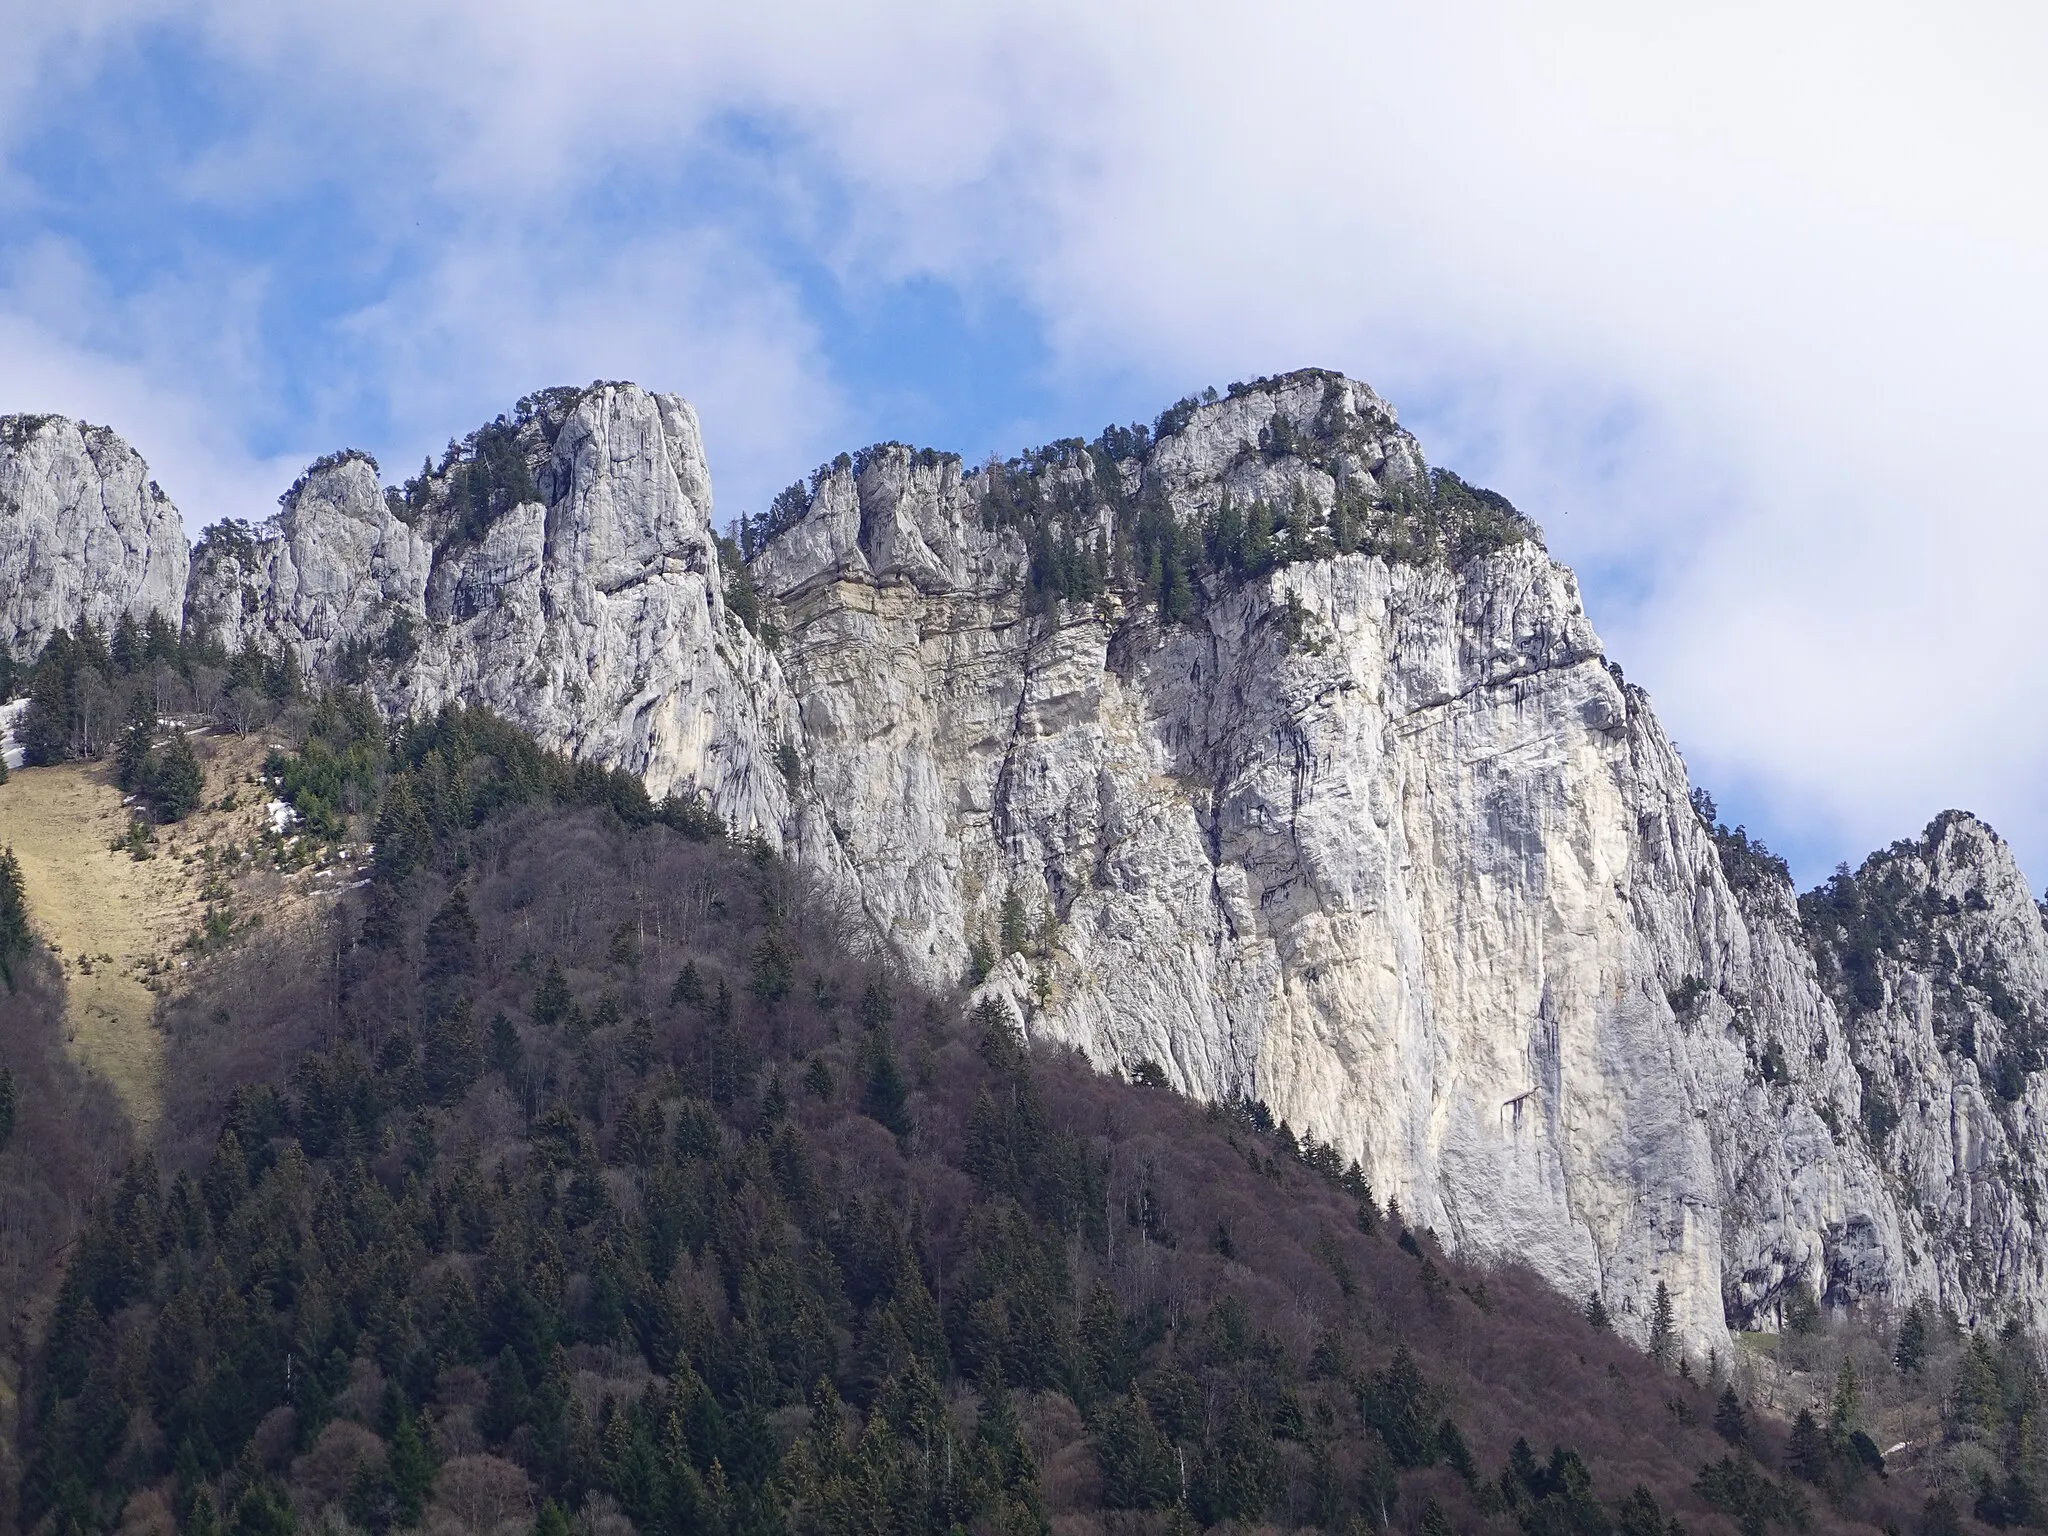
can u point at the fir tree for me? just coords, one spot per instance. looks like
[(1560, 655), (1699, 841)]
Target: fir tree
[(448, 955), (1011, 925), (132, 759), (505, 1052), (1910, 1352), (1731, 1423), (262, 1511), (1638, 1514), (128, 650), (1139, 1469), (405, 839), (885, 1099), (175, 783), (818, 1080), (15, 936), (1806, 1452), (1663, 1333), (552, 1002)]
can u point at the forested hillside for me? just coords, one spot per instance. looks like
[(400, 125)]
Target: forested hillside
[(586, 1175)]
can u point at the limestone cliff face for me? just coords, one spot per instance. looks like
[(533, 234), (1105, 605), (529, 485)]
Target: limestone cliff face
[(1375, 837), (327, 579), (559, 569), (1258, 750), (1936, 955), (84, 532)]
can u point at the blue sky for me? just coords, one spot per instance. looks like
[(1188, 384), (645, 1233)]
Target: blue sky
[(1746, 308)]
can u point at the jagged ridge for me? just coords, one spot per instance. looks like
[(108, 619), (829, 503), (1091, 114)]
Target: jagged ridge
[(1337, 805)]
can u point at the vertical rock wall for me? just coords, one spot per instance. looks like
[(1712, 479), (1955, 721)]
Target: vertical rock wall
[(84, 532)]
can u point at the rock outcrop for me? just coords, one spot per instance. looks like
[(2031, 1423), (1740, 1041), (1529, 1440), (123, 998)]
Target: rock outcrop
[(84, 533), (1248, 747), (1376, 837), (559, 568), (1935, 954)]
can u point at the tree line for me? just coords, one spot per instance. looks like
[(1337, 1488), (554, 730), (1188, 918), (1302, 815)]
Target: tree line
[(586, 1170)]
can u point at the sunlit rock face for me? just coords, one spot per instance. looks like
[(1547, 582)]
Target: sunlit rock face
[(325, 579), (84, 533), (1254, 749), (1935, 953), (1377, 837), (560, 569)]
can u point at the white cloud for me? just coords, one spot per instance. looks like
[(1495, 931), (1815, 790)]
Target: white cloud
[(1744, 301), (692, 313)]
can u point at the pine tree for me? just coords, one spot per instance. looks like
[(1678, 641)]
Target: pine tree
[(129, 653), (1638, 1514), (1451, 1447), (412, 1470), (1396, 1401), (1240, 1473), (818, 1079), (46, 725), (1731, 1423), (405, 840), (1938, 1517), (1596, 1312), (689, 987), (262, 1511), (202, 1521), (6, 1106), (175, 783), (1011, 924), (15, 937), (506, 1056), (450, 1061), (552, 1002), (448, 955), (885, 1100), (1139, 1469), (1847, 1407), (227, 1177), (1806, 1452), (1910, 1353), (132, 759), (1663, 1333)]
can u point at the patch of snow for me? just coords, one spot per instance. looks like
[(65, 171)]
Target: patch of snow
[(282, 816), (10, 718)]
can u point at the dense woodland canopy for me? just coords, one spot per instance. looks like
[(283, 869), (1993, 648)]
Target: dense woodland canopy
[(587, 1175)]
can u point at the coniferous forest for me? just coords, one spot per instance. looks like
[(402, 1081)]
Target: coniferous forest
[(583, 1175)]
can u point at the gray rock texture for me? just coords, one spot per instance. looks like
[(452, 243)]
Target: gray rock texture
[(84, 532), (1377, 838), (1935, 955), (558, 568), (1252, 748)]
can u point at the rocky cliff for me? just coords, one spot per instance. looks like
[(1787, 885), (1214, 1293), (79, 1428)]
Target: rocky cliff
[(1935, 955), (84, 532), (558, 567), (1250, 747), (1377, 837)]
